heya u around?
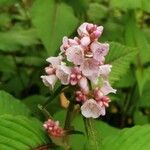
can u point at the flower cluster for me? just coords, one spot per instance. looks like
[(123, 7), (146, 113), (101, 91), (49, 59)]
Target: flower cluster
[(53, 128), (86, 59)]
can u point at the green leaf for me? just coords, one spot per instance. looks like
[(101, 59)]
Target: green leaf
[(8, 2), (140, 118), (126, 4), (102, 129), (96, 12), (132, 139), (146, 5), (127, 80), (141, 80), (11, 105), (53, 20), (21, 133), (7, 64), (135, 37), (17, 38), (120, 58), (145, 97)]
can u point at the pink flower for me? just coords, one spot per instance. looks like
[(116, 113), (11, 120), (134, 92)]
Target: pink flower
[(99, 51), (54, 61), (49, 80), (53, 129), (98, 95), (75, 54), (91, 109), (80, 96), (63, 73), (75, 76), (91, 30), (104, 101), (50, 70), (83, 83), (104, 70), (68, 43), (85, 41), (106, 88), (90, 69)]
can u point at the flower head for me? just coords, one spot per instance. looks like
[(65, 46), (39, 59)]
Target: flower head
[(91, 109), (81, 63), (53, 128)]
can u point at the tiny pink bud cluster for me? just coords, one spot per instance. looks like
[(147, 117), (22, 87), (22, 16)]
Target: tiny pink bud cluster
[(86, 59), (53, 129)]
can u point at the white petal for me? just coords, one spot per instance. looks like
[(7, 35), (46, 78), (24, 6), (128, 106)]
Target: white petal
[(90, 68), (106, 88), (90, 109), (49, 80), (104, 70), (75, 54), (99, 50), (55, 61), (63, 73)]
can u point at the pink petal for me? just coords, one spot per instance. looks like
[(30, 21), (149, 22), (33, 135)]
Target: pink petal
[(99, 50), (49, 80), (75, 54), (83, 83), (82, 30), (106, 88), (90, 109), (104, 70), (103, 111), (90, 68), (55, 61), (63, 73), (65, 44), (85, 41)]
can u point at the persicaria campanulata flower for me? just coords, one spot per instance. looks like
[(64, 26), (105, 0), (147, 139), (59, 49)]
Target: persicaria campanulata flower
[(53, 128), (82, 61)]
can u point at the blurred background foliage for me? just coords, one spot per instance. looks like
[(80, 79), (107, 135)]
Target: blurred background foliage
[(32, 30)]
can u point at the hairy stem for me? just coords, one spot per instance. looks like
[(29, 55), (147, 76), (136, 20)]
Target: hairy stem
[(68, 121), (93, 139)]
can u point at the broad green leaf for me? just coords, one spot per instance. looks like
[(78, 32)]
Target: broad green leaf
[(146, 5), (140, 118), (11, 105), (33, 101), (103, 130), (120, 58), (53, 20), (141, 80), (129, 139), (145, 97), (79, 6), (127, 80), (135, 37), (96, 12), (21, 133), (17, 38)]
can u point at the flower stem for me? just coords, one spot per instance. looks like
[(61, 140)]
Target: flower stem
[(68, 121), (93, 139)]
